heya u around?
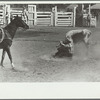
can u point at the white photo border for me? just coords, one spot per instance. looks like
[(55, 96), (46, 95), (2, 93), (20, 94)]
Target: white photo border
[(50, 90)]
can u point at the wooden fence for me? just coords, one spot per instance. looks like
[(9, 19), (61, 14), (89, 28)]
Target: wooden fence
[(39, 18), (64, 19), (1, 17), (44, 18), (16, 11), (92, 20)]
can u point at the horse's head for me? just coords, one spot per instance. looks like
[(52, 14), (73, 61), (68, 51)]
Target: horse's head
[(20, 23)]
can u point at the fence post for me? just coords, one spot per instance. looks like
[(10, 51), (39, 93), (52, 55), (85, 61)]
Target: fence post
[(35, 15), (82, 7), (55, 15), (72, 19), (74, 16), (51, 18), (8, 11), (32, 14), (4, 14), (89, 8)]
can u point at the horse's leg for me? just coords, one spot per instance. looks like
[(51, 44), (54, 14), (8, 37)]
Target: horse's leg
[(9, 55), (86, 39), (3, 56)]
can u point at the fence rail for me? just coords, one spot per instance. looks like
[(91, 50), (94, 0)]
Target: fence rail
[(64, 19), (44, 18), (15, 12), (1, 17)]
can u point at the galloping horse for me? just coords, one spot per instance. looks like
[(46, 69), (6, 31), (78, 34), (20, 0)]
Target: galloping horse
[(8, 34)]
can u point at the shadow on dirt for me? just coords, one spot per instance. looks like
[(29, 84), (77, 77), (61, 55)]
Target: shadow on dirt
[(31, 33)]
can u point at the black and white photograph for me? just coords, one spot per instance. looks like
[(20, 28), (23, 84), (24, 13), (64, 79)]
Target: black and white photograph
[(48, 42), (57, 42)]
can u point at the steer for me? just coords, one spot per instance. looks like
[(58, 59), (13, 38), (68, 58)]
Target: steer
[(71, 38)]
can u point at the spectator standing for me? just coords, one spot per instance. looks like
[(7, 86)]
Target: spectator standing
[(88, 20), (25, 15)]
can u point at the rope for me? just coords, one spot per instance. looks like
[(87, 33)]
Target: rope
[(3, 35)]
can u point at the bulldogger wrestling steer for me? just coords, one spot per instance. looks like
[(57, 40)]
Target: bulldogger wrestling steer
[(66, 47)]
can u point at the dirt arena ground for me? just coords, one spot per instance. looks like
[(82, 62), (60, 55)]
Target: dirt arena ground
[(32, 52)]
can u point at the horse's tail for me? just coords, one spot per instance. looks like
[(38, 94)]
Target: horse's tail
[(2, 35)]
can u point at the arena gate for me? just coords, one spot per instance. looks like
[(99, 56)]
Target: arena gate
[(1, 15), (32, 15), (64, 19), (92, 20), (16, 11), (4, 15), (39, 18), (44, 18)]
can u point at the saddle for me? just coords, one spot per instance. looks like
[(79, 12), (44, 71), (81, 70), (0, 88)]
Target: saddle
[(2, 35)]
